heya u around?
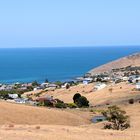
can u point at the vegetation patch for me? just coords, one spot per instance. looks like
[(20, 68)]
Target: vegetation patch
[(80, 101), (117, 118)]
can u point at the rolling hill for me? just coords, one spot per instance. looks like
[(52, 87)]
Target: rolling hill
[(131, 60)]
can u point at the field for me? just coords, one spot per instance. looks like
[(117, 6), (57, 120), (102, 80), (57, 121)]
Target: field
[(21, 122)]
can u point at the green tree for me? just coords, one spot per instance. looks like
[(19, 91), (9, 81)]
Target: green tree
[(46, 81), (76, 97), (117, 118), (35, 83), (82, 102), (58, 83)]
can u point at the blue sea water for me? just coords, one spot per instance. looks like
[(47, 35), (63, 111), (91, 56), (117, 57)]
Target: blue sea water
[(29, 64)]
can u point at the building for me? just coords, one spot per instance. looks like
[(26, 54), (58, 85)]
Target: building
[(138, 86), (13, 96), (99, 86), (65, 85), (37, 88), (134, 79), (44, 85)]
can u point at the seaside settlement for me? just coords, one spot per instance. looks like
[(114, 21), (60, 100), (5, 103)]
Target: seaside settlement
[(22, 92)]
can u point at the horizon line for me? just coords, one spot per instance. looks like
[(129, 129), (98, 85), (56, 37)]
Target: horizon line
[(70, 46)]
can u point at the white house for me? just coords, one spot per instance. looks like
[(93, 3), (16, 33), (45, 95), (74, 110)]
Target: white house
[(37, 88), (13, 96), (44, 85), (138, 86), (125, 78), (52, 86), (99, 86), (65, 85), (134, 78), (87, 80), (20, 101)]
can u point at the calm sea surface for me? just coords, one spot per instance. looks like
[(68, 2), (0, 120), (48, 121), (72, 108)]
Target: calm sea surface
[(29, 64)]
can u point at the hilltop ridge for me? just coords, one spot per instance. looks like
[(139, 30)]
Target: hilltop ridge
[(131, 60)]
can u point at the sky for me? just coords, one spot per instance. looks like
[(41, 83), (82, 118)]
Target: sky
[(53, 23)]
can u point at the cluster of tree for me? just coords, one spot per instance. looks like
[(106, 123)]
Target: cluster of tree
[(80, 101), (117, 118), (35, 83)]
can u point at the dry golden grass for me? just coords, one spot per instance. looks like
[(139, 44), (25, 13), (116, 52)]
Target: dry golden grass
[(35, 123)]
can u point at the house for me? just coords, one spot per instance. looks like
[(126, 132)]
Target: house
[(125, 78), (13, 96), (44, 85), (37, 88), (65, 85), (134, 79), (138, 86), (23, 88), (3, 87), (99, 86), (105, 79), (52, 85), (20, 101), (33, 103), (79, 79), (87, 81)]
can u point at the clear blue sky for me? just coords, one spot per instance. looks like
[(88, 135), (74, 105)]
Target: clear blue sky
[(51, 23)]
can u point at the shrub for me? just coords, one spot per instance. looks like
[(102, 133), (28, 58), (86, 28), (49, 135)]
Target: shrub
[(76, 97), (48, 103), (37, 127), (131, 101), (46, 80), (71, 105), (110, 90), (60, 105), (116, 118), (82, 102), (58, 83), (59, 101), (35, 83), (67, 86)]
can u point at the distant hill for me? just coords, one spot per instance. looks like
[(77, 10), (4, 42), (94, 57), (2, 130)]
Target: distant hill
[(131, 60), (23, 115)]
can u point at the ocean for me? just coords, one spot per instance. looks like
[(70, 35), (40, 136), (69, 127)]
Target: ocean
[(55, 64)]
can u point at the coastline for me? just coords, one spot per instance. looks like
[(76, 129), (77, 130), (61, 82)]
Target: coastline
[(56, 64)]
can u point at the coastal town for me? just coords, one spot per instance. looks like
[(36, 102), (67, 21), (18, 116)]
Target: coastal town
[(21, 93)]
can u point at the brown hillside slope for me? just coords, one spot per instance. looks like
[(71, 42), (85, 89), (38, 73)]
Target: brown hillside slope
[(95, 97), (85, 132), (21, 114), (131, 60)]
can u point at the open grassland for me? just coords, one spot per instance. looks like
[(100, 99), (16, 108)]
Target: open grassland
[(21, 122)]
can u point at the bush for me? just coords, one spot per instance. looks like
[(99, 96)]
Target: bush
[(67, 86), (71, 105), (116, 118), (60, 105), (110, 90), (82, 102), (48, 103), (131, 101), (76, 97), (58, 83), (59, 101), (35, 83)]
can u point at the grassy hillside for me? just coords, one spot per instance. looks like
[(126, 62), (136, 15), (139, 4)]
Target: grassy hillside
[(132, 60)]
